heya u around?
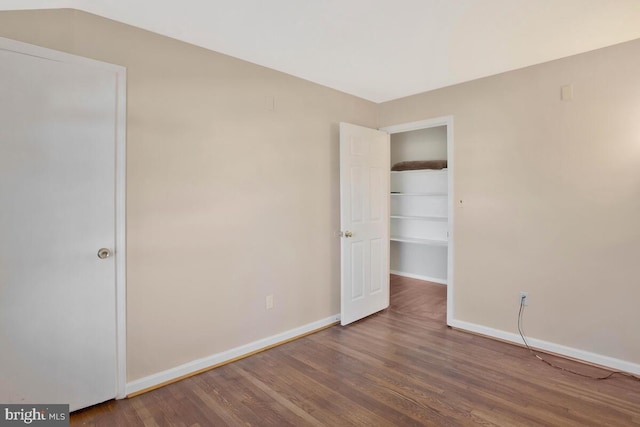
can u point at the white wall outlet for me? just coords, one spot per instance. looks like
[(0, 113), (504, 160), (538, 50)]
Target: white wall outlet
[(524, 298), (269, 302)]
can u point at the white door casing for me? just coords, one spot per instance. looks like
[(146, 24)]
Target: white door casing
[(364, 212), (61, 200), (424, 124)]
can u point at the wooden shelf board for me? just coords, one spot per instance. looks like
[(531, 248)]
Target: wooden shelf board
[(422, 171), (420, 194)]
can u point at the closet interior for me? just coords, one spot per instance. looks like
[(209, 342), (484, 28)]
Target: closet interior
[(419, 204)]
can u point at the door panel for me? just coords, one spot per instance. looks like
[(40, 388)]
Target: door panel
[(57, 208), (357, 274), (377, 260), (364, 198)]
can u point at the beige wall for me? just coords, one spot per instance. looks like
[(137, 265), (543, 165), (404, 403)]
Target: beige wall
[(421, 144), (225, 197), (227, 201), (551, 196)]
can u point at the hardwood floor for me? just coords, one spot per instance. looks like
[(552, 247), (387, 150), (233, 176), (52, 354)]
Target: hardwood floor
[(401, 367)]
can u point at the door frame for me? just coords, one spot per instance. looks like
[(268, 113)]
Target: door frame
[(120, 188), (425, 124)]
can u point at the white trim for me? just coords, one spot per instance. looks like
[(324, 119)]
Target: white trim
[(120, 188), (121, 236), (419, 277), (215, 359), (574, 353), (451, 216), (429, 123)]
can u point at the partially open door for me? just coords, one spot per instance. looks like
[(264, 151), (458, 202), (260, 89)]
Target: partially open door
[(364, 220)]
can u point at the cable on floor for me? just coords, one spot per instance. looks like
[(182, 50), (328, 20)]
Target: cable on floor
[(611, 374)]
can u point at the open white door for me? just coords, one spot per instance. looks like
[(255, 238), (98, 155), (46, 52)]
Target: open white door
[(364, 220)]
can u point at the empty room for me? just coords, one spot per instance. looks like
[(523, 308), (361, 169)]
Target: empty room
[(326, 213)]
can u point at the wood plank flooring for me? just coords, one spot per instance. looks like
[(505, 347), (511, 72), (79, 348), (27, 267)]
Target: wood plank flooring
[(401, 367)]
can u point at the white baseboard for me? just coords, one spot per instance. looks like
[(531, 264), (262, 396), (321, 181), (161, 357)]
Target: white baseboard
[(574, 353), (419, 277), (216, 359)]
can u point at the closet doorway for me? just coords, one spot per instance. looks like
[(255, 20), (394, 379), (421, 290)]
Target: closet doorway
[(421, 202)]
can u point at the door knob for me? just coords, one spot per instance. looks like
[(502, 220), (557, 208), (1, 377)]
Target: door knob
[(104, 253), (348, 234)]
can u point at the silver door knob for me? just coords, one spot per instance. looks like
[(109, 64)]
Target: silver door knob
[(104, 253), (348, 234)]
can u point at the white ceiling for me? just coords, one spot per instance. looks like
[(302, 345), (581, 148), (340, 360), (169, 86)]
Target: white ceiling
[(379, 49)]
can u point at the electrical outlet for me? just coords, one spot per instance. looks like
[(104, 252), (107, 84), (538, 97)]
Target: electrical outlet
[(524, 298), (269, 302)]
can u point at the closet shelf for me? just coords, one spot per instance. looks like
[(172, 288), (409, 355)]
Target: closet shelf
[(430, 242), (425, 218), (419, 194), (421, 171)]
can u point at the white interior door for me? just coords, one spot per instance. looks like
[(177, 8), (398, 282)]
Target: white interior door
[(364, 211), (57, 192)]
